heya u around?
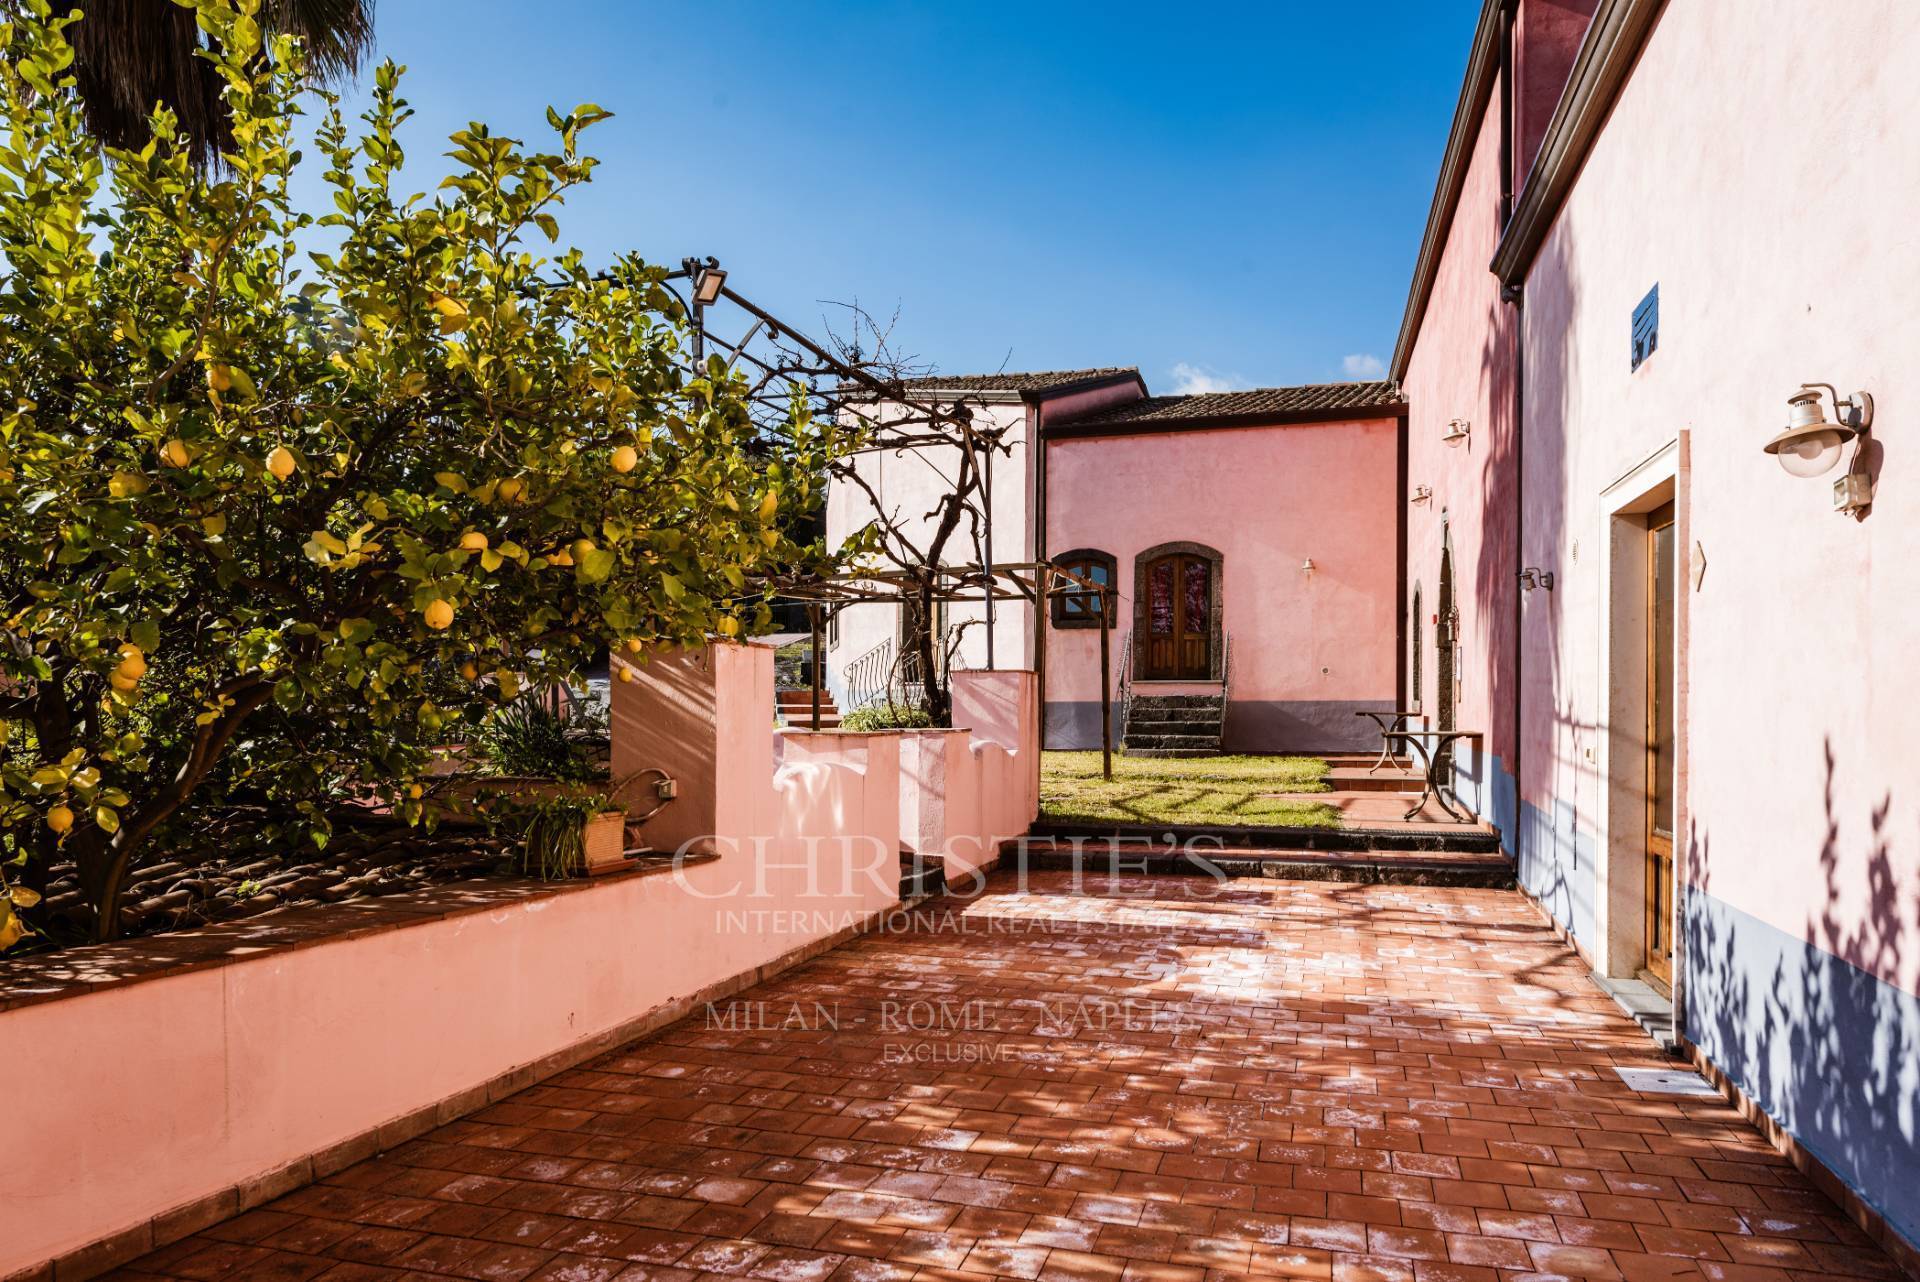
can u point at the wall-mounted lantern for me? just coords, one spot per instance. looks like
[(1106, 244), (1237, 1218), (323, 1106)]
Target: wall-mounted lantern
[(1811, 443), (709, 278), (1533, 577), (1421, 494), (1306, 567), (1457, 431)]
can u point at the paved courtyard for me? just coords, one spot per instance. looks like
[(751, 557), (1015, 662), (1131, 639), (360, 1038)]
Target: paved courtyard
[(1155, 1080)]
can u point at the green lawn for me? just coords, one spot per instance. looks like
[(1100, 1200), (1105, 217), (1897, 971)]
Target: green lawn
[(1227, 791)]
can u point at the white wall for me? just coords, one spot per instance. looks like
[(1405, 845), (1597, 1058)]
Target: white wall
[(910, 484)]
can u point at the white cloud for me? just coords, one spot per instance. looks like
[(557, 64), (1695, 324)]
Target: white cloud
[(1193, 380), (1364, 365)]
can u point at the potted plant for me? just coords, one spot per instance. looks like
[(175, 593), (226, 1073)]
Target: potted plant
[(574, 836)]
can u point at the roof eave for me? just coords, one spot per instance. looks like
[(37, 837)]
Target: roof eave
[(1475, 90), (1011, 396), (1086, 385)]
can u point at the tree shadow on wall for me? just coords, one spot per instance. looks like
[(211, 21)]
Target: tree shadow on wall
[(1804, 1027), (1556, 851)]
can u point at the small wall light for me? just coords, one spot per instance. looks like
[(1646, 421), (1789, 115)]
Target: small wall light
[(708, 280), (1457, 431), (1533, 577), (1421, 494), (1306, 567), (1810, 443)]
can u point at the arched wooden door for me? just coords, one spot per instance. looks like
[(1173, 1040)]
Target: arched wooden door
[(1179, 618)]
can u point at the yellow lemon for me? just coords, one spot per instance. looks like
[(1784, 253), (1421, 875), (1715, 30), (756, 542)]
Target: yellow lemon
[(510, 489), (473, 541), (633, 645), (219, 377), (624, 458), (470, 670), (133, 663), (281, 462), (414, 790), (439, 615), (626, 674), (60, 818), (562, 557), (175, 453), (729, 626), (126, 484)]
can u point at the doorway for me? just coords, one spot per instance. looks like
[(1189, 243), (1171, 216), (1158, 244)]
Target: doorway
[(1179, 610), (1659, 885)]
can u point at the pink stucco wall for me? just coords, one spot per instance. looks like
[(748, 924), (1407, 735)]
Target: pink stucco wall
[(1461, 367), (706, 717), (1771, 204), (1765, 281), (1546, 37), (151, 1095), (1307, 647)]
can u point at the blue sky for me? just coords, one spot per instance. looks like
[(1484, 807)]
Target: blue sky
[(1223, 193)]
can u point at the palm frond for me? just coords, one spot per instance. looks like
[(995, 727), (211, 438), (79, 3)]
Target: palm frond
[(130, 55)]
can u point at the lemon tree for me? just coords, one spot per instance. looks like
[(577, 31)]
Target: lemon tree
[(287, 497)]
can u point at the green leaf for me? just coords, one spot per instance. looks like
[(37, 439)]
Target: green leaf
[(595, 566)]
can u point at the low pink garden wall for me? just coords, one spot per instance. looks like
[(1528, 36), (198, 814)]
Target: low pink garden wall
[(169, 1082), (155, 1093)]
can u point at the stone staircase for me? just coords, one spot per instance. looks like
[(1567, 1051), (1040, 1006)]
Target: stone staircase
[(1376, 840), (1174, 725), (794, 708)]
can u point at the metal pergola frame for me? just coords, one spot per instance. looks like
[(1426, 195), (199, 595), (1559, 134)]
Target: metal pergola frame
[(1037, 582)]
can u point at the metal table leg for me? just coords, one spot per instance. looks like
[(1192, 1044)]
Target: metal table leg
[(1426, 773), (1387, 732)]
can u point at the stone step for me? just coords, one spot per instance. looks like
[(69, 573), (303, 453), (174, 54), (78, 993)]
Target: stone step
[(1156, 725), (1135, 740), (1177, 700), (1461, 839), (1647, 1007), (1204, 716), (1171, 753), (1385, 779), (1143, 734), (1377, 866)]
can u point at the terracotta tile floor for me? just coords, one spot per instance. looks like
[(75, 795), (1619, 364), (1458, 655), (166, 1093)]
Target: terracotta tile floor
[(1160, 1080)]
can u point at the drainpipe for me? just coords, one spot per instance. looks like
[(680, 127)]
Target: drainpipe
[(1037, 453), (1515, 297)]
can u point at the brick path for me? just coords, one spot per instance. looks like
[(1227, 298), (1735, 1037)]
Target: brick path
[(1149, 1081)]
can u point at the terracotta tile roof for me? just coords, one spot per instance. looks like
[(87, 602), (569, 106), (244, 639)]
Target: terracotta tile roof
[(1031, 381), (1313, 399)]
